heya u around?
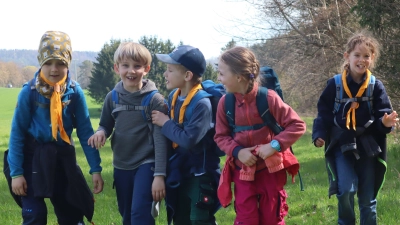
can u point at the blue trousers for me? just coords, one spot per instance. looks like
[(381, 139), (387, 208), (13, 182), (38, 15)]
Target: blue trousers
[(34, 210), (356, 176), (134, 195)]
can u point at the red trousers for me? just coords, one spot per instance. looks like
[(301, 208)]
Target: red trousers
[(262, 201)]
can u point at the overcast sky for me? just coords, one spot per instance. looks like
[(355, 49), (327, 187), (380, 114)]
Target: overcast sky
[(91, 24)]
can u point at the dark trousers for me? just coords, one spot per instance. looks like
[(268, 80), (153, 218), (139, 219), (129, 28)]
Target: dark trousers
[(134, 195), (34, 210)]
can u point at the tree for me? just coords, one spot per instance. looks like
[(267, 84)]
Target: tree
[(103, 77), (210, 73), (156, 46), (229, 45), (85, 73), (28, 72)]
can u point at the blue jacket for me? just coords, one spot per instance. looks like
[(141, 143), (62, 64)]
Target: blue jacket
[(193, 156), (324, 124), (37, 124)]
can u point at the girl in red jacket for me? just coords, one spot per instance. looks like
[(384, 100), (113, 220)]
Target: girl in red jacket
[(257, 160)]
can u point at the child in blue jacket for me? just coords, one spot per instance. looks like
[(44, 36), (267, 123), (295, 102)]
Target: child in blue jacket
[(354, 116), (41, 153)]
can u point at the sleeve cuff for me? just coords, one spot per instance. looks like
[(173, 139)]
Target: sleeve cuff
[(236, 150)]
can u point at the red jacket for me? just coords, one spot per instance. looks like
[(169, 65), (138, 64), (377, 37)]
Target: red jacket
[(246, 114)]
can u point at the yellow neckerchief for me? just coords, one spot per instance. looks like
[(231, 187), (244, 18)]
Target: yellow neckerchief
[(182, 110), (354, 105), (56, 109)]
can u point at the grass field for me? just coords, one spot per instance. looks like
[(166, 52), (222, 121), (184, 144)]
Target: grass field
[(311, 206)]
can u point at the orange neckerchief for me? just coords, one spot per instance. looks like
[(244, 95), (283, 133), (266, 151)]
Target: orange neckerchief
[(189, 97), (354, 105), (56, 109)]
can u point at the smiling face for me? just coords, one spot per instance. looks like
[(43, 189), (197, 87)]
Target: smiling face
[(54, 70), (131, 73), (227, 78), (175, 76), (360, 59)]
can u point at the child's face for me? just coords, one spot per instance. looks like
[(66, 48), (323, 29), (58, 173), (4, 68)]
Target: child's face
[(227, 78), (174, 76), (131, 73), (54, 70), (359, 60)]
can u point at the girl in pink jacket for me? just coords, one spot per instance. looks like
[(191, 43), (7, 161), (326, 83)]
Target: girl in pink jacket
[(257, 160)]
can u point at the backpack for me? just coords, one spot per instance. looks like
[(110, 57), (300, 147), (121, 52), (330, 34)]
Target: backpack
[(270, 81), (212, 91), (339, 95), (144, 107), (34, 96)]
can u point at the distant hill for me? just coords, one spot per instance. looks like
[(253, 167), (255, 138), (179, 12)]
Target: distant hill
[(25, 57)]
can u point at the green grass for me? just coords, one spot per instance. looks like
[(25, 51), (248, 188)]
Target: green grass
[(311, 206)]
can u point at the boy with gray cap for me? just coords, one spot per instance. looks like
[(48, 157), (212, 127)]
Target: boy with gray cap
[(41, 154), (193, 170)]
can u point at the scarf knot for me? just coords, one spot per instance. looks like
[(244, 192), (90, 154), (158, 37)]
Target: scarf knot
[(351, 113), (182, 110)]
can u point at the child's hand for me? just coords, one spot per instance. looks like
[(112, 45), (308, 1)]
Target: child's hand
[(158, 188), (19, 186), (246, 157), (158, 118), (390, 120), (97, 140), (265, 151), (98, 183), (319, 142)]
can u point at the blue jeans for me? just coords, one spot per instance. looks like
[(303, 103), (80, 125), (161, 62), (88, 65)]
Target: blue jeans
[(356, 176), (134, 195)]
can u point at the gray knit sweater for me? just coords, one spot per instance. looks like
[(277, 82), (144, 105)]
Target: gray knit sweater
[(130, 139)]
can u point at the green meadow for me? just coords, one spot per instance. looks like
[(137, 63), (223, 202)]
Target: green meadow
[(311, 206)]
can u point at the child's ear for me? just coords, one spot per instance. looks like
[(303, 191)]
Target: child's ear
[(116, 68), (346, 56), (188, 75), (147, 68)]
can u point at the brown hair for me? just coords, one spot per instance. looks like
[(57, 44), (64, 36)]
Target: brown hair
[(242, 62), (366, 40)]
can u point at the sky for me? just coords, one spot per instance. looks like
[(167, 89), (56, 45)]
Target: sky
[(90, 24)]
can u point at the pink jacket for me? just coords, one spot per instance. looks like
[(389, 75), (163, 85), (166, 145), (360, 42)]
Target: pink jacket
[(246, 113)]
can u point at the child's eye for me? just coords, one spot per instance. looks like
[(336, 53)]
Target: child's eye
[(138, 66)]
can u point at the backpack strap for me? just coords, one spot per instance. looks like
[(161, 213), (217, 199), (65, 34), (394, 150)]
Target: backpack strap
[(367, 98), (144, 107), (262, 107), (265, 113), (197, 97), (230, 110)]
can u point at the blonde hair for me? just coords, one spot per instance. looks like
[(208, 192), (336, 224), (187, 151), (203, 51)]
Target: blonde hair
[(134, 51), (363, 39), (242, 62)]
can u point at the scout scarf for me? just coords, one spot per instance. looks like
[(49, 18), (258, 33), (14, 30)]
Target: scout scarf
[(54, 91), (354, 105), (189, 97)]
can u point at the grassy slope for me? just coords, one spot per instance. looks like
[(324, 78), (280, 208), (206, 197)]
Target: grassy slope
[(311, 206)]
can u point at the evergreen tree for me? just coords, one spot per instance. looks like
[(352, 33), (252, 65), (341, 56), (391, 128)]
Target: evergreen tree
[(103, 77), (229, 45), (156, 46), (210, 73)]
